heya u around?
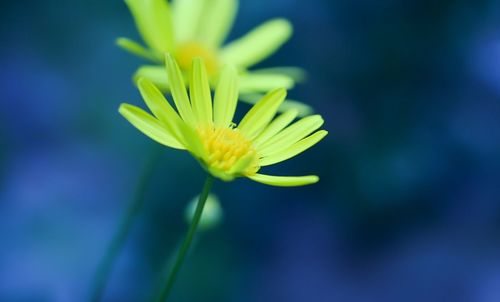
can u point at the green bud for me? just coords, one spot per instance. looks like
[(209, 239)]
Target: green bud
[(212, 212)]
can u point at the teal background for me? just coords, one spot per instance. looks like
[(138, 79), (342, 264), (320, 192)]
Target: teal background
[(407, 209)]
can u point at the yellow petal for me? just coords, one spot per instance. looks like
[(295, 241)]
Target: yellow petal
[(136, 49), (160, 107), (296, 73), (261, 113), (241, 164), (154, 73), (294, 150), (178, 91), (284, 181), (201, 99), (154, 23), (193, 143), (251, 82), (303, 109), (291, 135), (276, 126), (216, 21), (150, 126), (226, 97), (186, 16), (258, 44)]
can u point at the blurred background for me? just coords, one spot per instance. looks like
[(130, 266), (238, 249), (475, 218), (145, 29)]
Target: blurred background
[(407, 209)]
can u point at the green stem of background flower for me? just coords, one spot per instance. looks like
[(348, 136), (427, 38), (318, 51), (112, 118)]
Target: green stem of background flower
[(164, 293), (128, 218)]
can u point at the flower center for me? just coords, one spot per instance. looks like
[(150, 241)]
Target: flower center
[(229, 151), (189, 50)]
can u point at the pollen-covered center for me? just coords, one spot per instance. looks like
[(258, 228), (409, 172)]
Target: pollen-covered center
[(189, 50), (229, 151)]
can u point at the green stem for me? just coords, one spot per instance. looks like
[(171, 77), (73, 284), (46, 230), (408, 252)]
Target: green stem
[(127, 220), (187, 241)]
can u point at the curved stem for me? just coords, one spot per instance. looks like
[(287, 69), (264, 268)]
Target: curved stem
[(187, 241), (127, 220)]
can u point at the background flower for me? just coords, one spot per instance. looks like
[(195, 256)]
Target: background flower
[(198, 28)]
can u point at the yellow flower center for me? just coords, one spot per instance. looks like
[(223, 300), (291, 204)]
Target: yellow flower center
[(229, 151), (189, 50)]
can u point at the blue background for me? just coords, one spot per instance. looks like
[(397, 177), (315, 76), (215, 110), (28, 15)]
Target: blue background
[(407, 209)]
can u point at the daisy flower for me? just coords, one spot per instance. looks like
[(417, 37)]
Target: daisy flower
[(207, 131), (198, 28)]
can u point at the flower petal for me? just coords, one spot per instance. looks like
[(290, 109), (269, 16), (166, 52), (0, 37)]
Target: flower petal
[(154, 73), (284, 181), (216, 21), (178, 90), (154, 22), (241, 164), (201, 99), (150, 126), (160, 107), (294, 150), (291, 135), (261, 113), (303, 109), (226, 97), (186, 17), (296, 73), (258, 44), (136, 49), (193, 143), (276, 126), (252, 82)]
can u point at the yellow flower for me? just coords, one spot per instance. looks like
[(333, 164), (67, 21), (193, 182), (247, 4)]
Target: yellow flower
[(207, 131), (198, 28)]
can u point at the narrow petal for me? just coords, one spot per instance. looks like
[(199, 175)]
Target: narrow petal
[(294, 150), (193, 143), (216, 21), (252, 82), (291, 135), (261, 113), (178, 90), (160, 107), (303, 109), (284, 181), (150, 126), (154, 23), (226, 97), (241, 164), (136, 49), (276, 126), (258, 44), (296, 73), (154, 73), (201, 99), (186, 17)]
